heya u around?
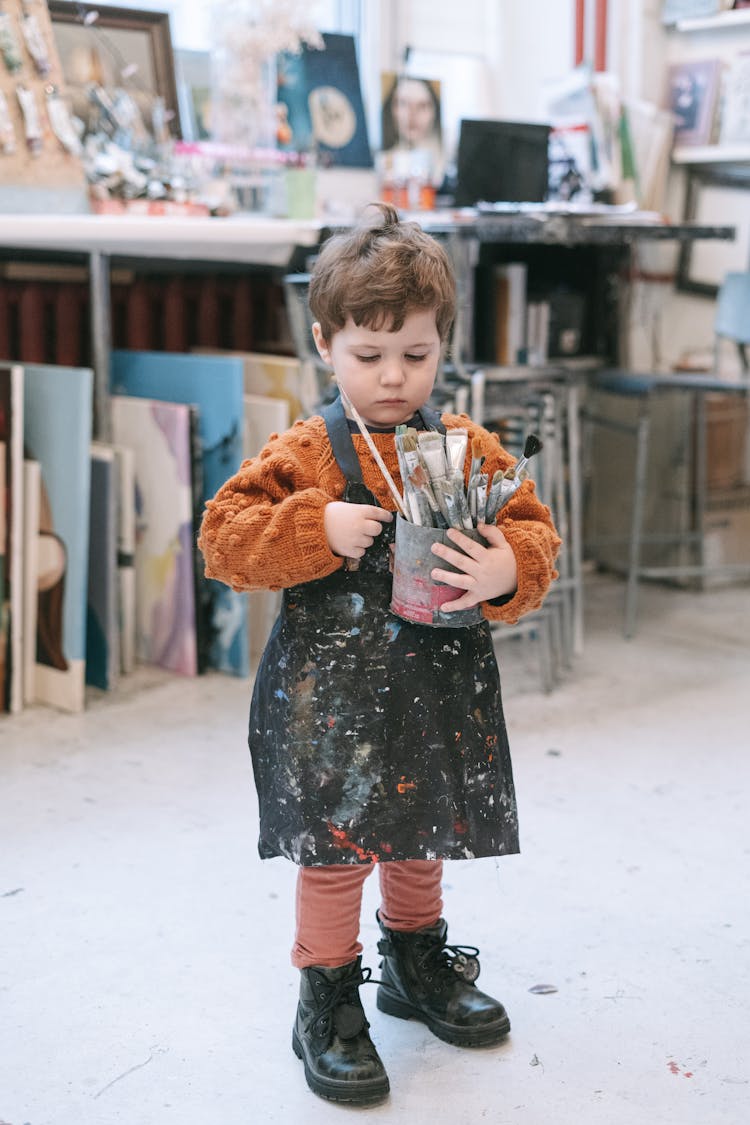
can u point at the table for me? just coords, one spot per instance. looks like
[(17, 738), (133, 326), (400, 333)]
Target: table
[(255, 239)]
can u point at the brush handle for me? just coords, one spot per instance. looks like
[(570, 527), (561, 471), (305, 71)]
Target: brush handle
[(400, 506)]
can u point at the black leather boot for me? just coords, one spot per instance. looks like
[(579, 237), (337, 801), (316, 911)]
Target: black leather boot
[(424, 978), (330, 1036)]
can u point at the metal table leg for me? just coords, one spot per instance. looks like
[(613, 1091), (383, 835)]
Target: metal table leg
[(101, 342)]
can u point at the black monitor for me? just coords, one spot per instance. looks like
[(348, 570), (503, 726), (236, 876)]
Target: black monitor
[(501, 162)]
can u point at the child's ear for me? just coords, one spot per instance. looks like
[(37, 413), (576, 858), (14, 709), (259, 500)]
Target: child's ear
[(320, 343)]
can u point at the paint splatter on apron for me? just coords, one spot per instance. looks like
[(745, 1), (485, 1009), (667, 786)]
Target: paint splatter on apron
[(373, 738)]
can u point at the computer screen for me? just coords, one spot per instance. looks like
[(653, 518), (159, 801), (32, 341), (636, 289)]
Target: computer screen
[(501, 162)]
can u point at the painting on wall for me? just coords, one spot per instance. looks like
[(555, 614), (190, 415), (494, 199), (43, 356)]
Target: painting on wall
[(322, 99), (118, 66), (692, 98)]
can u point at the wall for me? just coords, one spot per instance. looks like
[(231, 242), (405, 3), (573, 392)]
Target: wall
[(509, 61)]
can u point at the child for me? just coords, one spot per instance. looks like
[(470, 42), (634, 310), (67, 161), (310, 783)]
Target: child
[(375, 740)]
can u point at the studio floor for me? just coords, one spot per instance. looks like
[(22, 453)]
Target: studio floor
[(144, 972)]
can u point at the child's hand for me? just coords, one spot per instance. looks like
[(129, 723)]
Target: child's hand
[(486, 572), (351, 528)]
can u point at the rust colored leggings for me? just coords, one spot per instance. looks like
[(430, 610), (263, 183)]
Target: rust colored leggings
[(329, 901)]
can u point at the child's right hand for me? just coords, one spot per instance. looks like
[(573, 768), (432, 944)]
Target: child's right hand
[(351, 528)]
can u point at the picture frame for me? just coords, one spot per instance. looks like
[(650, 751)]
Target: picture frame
[(714, 198), (117, 48), (693, 93), (324, 111)]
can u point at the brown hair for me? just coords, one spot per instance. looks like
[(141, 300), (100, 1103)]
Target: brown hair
[(378, 273)]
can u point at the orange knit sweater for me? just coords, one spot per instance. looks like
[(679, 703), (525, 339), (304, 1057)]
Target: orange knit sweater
[(264, 527)]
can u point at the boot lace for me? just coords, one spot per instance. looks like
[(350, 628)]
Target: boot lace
[(443, 964), (331, 995)]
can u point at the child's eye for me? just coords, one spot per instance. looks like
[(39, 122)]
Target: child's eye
[(367, 358), (416, 358)]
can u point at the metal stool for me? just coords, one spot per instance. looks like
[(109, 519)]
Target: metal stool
[(732, 322)]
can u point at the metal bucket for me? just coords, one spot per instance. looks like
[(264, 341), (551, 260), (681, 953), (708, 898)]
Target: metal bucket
[(416, 595)]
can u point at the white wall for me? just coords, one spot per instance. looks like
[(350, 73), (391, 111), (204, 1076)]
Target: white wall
[(512, 47)]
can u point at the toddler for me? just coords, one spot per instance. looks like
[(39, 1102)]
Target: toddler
[(376, 741)]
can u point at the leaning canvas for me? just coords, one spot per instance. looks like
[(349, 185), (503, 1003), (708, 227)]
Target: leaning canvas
[(57, 433), (159, 435), (214, 385), (11, 535), (102, 625)]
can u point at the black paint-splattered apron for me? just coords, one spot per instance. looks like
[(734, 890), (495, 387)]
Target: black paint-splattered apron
[(373, 738)]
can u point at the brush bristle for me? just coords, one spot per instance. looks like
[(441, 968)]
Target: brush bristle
[(533, 445), (476, 447), (418, 478)]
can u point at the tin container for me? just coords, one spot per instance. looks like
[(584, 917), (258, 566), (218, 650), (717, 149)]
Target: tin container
[(416, 595)]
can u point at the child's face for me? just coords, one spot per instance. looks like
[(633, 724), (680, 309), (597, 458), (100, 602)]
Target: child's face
[(387, 375)]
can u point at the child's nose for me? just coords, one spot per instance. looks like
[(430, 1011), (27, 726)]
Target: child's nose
[(392, 373)]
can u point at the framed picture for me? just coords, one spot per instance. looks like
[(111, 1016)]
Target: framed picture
[(124, 52), (410, 125), (715, 199), (692, 98), (322, 99)]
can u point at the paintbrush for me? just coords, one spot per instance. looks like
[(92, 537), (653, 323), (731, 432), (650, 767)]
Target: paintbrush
[(420, 482), (477, 460), (400, 506), (532, 445)]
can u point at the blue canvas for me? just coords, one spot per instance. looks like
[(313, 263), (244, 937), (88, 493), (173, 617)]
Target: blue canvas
[(214, 384), (57, 434)]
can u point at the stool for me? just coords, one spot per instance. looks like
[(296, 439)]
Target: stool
[(643, 388), (732, 322)]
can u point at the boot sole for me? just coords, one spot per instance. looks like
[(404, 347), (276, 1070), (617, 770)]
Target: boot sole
[(365, 1093), (483, 1036)]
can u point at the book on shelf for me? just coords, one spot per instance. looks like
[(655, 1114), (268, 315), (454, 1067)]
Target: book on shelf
[(159, 435), (509, 282), (537, 333), (214, 385), (57, 434)]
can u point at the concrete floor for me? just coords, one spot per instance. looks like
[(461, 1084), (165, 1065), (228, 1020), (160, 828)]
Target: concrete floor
[(144, 973)]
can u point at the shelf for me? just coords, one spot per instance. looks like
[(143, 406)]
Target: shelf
[(715, 23), (711, 154)]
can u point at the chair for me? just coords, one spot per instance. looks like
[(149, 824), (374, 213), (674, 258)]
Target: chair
[(644, 391), (535, 404)]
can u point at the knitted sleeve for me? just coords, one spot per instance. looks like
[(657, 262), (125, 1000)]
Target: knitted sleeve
[(528, 527), (264, 528)]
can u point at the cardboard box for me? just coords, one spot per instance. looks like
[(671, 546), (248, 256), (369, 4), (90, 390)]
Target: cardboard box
[(726, 436), (727, 534)]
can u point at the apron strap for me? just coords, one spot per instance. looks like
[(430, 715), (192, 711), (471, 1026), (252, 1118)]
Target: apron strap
[(341, 441), (342, 445), (431, 419)]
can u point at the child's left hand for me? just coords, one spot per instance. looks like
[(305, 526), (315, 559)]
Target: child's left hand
[(487, 572)]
